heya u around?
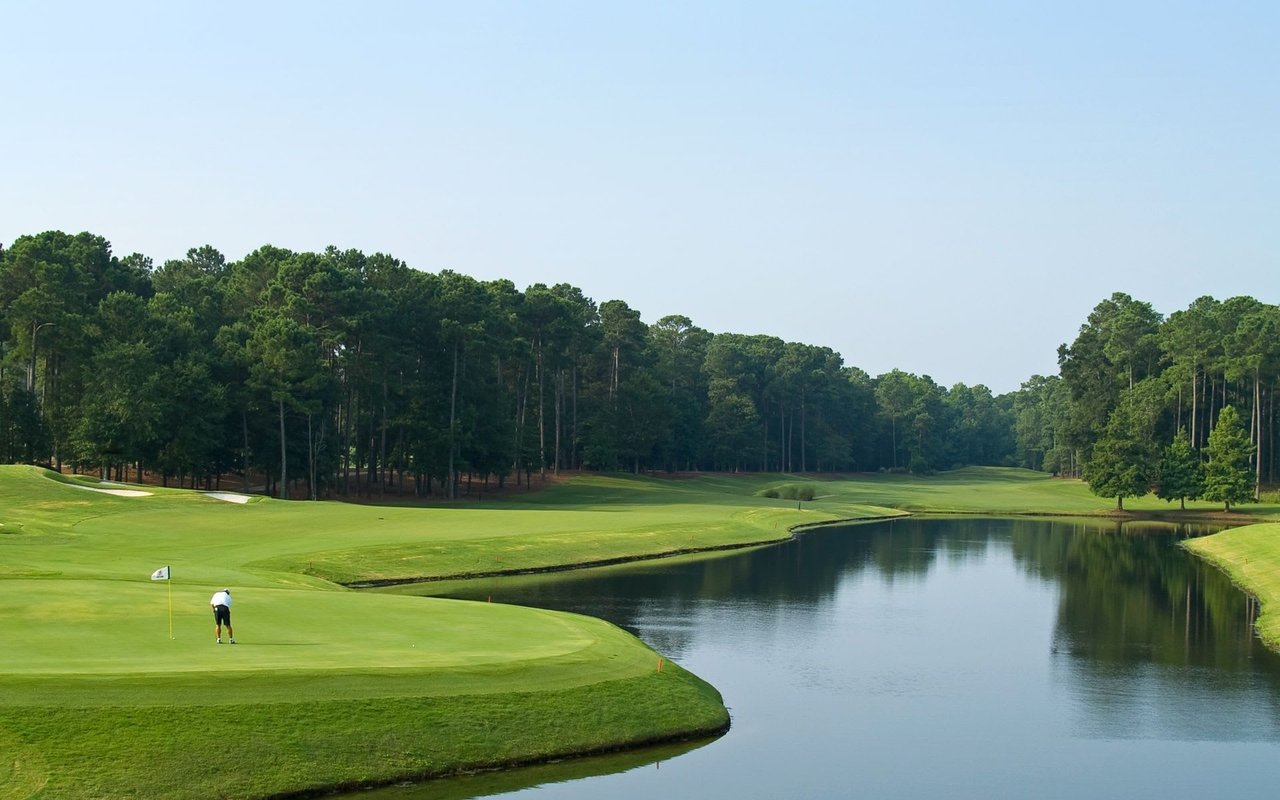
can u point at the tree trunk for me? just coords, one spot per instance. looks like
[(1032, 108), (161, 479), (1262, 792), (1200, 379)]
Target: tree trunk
[(346, 441), (559, 405), (382, 445), (311, 458), (573, 457), (542, 428), (1206, 408), (453, 407), (1178, 413), (1256, 425), (782, 437), (804, 461), (400, 461), (522, 405), (244, 429), (893, 437), (1271, 437), (284, 458)]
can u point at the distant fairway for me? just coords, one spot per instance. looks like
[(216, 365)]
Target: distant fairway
[(334, 687)]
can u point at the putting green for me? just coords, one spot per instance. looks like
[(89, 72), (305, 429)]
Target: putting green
[(112, 628)]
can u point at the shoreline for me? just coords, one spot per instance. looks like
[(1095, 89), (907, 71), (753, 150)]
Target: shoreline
[(1250, 557), (695, 738), (791, 535), (1172, 517)]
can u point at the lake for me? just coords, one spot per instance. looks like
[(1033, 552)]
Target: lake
[(958, 658)]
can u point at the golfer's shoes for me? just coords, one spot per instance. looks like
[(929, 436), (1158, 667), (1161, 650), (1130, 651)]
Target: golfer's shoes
[(219, 640), (233, 641)]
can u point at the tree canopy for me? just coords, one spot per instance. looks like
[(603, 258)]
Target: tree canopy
[(1132, 379), (341, 372)]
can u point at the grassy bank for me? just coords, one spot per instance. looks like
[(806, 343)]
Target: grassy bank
[(1251, 556), (333, 687)]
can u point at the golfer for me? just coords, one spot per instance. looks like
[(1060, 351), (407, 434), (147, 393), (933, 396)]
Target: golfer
[(221, 603)]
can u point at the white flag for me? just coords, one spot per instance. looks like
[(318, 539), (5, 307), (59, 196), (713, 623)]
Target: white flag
[(161, 574)]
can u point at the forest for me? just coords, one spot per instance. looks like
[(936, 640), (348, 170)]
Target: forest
[(344, 374), (1182, 405)]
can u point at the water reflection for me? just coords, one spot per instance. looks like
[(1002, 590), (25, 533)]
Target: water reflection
[(488, 784), (976, 646)]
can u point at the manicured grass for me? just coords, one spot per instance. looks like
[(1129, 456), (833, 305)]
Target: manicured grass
[(996, 490), (1251, 556), (262, 748), (331, 686), (327, 687)]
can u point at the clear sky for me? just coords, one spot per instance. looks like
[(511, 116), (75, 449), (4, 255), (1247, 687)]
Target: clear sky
[(943, 187)]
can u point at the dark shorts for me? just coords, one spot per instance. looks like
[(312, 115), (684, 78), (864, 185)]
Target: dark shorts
[(222, 615)]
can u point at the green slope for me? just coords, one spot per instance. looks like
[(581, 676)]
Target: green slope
[(1251, 556)]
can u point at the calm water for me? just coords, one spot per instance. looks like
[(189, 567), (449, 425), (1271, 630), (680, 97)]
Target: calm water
[(936, 658)]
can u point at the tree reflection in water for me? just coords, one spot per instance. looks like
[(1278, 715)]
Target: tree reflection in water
[(1003, 652)]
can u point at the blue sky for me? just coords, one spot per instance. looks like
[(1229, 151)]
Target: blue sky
[(946, 188)]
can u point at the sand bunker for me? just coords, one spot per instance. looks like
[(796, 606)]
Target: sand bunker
[(116, 492), (229, 497)]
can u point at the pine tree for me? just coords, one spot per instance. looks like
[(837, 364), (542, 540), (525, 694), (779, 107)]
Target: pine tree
[(1181, 475), (1228, 477), (1123, 460)]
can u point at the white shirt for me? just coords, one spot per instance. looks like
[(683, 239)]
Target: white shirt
[(221, 599)]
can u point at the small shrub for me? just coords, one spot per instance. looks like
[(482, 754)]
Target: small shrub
[(788, 491), (920, 467)]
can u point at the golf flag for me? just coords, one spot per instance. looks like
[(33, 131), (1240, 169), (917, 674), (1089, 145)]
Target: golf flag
[(162, 574)]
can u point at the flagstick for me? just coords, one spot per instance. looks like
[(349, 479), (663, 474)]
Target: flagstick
[(170, 582)]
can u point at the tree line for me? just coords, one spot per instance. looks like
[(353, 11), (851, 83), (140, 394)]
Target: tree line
[(1183, 405), (344, 373)]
